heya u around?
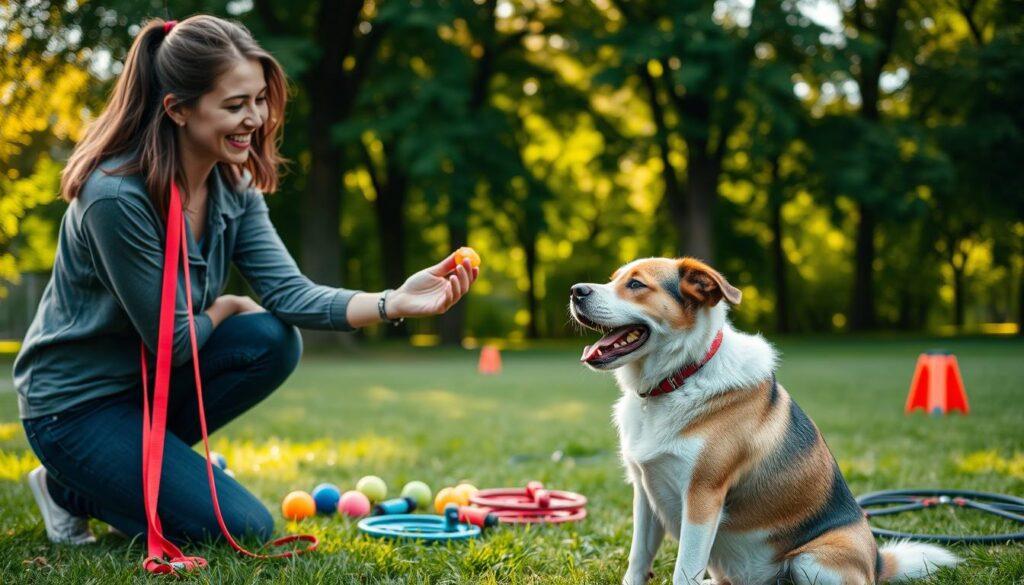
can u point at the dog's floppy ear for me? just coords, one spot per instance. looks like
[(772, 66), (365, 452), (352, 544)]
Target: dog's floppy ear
[(704, 284)]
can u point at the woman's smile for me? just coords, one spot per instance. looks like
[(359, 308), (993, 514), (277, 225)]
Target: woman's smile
[(240, 141)]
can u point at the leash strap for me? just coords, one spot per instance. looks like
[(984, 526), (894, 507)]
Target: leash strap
[(163, 557)]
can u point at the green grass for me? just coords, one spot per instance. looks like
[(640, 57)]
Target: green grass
[(426, 414)]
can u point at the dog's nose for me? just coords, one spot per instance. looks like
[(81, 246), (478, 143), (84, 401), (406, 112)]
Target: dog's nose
[(579, 291)]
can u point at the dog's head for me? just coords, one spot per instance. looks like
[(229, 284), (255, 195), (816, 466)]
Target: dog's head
[(646, 304)]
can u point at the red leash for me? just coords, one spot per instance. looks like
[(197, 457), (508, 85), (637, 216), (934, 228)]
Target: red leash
[(163, 556)]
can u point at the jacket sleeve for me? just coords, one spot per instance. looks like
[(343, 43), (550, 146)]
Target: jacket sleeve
[(127, 255), (270, 270)]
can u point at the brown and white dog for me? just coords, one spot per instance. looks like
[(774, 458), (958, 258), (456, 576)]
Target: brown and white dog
[(720, 456)]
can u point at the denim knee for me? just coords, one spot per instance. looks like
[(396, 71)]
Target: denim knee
[(249, 520), (279, 342)]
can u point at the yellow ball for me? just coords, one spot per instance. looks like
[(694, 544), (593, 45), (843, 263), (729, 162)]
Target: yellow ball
[(464, 491), (466, 252), (298, 505), (444, 497)]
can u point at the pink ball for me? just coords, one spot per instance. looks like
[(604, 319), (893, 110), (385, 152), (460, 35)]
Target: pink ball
[(354, 504)]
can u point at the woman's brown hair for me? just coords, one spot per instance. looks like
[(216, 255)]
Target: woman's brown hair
[(184, 59)]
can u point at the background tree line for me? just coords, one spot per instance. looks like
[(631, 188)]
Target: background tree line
[(850, 165)]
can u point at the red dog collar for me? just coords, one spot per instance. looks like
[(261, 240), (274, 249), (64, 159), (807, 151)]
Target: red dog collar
[(675, 381)]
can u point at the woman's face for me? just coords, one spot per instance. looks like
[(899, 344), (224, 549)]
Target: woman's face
[(220, 127)]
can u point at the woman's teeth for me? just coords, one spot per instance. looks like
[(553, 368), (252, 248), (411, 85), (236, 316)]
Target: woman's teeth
[(240, 140)]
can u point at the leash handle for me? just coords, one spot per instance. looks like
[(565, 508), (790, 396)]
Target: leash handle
[(163, 557)]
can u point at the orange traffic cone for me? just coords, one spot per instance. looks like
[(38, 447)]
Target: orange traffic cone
[(490, 360), (937, 386)]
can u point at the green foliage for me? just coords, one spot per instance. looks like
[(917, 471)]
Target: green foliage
[(569, 137)]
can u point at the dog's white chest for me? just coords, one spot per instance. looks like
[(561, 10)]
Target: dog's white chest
[(657, 459)]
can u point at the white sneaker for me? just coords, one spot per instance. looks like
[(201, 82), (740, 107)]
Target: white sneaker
[(61, 526)]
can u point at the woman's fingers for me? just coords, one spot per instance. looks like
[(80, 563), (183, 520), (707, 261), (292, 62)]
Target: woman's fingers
[(456, 288), (462, 271)]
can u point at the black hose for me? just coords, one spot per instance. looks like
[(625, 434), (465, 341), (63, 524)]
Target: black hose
[(897, 501)]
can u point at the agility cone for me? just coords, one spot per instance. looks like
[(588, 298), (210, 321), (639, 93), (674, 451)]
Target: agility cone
[(937, 387), (490, 360)]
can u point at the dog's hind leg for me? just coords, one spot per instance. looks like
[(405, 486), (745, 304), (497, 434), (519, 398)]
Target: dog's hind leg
[(648, 533), (842, 556)]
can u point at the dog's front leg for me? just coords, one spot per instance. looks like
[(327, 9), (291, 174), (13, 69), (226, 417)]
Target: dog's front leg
[(647, 536), (702, 512)]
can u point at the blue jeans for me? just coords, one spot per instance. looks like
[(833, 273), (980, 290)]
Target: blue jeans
[(93, 452)]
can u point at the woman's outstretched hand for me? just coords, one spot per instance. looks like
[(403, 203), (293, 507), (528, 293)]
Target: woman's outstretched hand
[(433, 290)]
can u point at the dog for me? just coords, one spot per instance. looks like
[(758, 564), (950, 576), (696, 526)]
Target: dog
[(719, 455)]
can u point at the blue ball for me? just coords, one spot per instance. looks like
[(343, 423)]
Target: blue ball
[(326, 496), (219, 460)]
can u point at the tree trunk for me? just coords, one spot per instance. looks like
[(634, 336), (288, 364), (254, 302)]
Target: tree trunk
[(530, 249), (389, 209), (674, 197), (862, 311), (776, 195), (702, 190), (1020, 303), (958, 297), (451, 324)]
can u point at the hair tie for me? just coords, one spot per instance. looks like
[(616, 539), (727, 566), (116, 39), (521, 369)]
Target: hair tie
[(169, 25)]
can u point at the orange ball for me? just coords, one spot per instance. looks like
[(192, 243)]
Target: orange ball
[(464, 491), (298, 505), (444, 497), (465, 253)]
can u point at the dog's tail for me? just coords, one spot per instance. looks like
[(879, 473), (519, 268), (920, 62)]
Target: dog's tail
[(903, 559)]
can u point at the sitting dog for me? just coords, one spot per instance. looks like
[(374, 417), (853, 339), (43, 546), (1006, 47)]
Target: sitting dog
[(719, 454)]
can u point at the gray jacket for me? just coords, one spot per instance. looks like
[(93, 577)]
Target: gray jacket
[(104, 291)]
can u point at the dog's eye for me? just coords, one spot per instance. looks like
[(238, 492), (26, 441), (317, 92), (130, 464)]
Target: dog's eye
[(635, 284)]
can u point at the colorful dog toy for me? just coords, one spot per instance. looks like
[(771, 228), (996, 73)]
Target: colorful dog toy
[(532, 504), (354, 504), (298, 505), (326, 496), (425, 527)]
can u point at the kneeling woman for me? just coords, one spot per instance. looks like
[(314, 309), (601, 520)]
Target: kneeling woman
[(201, 104)]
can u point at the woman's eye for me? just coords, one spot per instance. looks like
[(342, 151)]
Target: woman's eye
[(634, 283), (261, 99), (235, 108)]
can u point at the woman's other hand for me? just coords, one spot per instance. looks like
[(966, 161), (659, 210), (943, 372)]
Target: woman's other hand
[(228, 305)]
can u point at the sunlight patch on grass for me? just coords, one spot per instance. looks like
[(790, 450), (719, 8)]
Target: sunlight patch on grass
[(989, 461), (856, 468), (9, 430), (283, 459), (381, 394), (14, 466), (569, 410), (451, 404)]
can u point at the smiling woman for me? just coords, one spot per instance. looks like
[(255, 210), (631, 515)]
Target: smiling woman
[(199, 105)]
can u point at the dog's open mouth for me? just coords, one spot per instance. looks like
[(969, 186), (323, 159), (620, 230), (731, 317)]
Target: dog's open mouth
[(615, 344)]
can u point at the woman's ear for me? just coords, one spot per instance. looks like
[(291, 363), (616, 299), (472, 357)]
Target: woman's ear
[(174, 110)]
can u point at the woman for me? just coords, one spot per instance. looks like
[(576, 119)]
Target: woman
[(199, 103)]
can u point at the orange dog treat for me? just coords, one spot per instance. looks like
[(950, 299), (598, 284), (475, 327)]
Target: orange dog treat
[(466, 252)]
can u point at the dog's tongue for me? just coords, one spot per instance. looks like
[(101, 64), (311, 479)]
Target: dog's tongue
[(590, 351)]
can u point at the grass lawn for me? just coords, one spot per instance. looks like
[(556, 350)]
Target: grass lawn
[(426, 414)]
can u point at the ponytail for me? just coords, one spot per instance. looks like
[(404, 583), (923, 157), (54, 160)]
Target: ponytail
[(134, 102)]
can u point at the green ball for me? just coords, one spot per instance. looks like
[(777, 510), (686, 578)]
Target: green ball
[(420, 493), (373, 488)]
